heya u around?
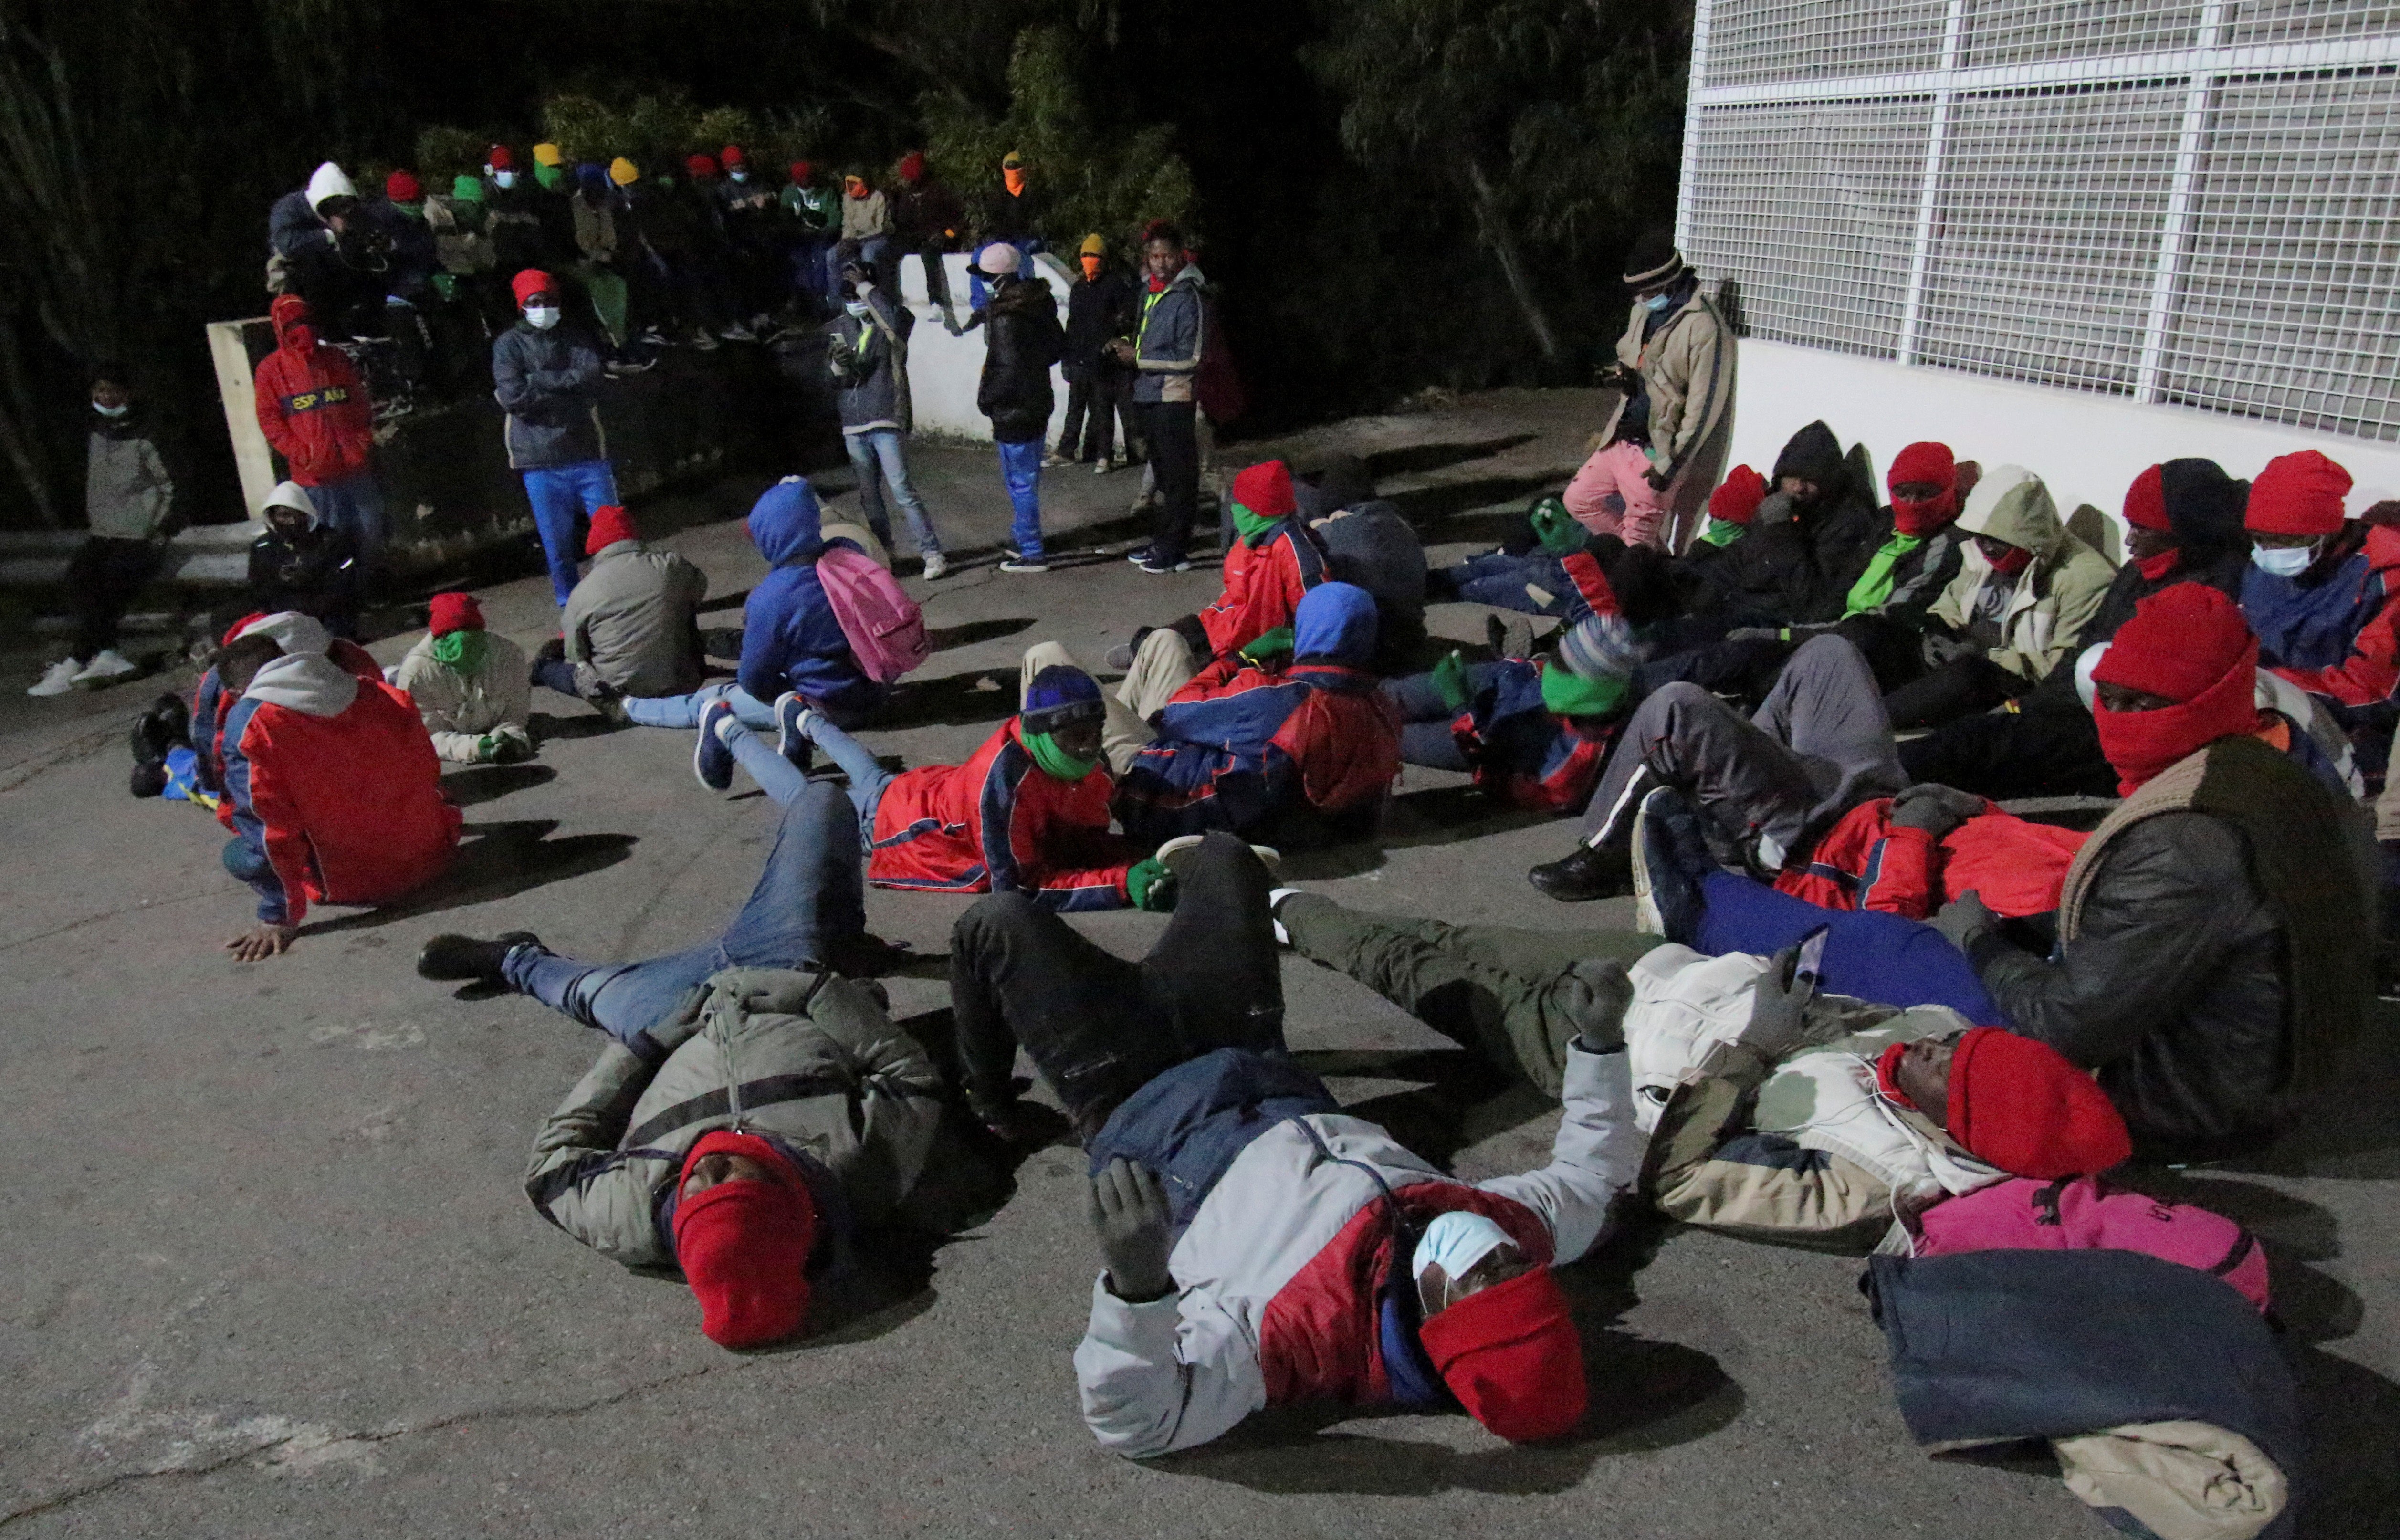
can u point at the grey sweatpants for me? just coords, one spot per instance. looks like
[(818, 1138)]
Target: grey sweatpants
[(1819, 746)]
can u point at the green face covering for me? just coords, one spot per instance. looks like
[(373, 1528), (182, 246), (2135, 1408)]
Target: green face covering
[(1722, 532), (1057, 762), (1875, 584), (461, 651), (1252, 527), (1567, 693), (551, 177)]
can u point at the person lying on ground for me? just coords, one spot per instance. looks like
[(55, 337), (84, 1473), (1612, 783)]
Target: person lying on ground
[(1029, 812), (832, 1115), (472, 688), (631, 627), (2213, 961), (2183, 523), (2322, 595), (1293, 754), (303, 562), (1254, 1235), (2017, 609), (333, 789), (1533, 732), (1563, 570)]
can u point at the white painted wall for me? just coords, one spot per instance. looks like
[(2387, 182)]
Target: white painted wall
[(2087, 448), (943, 370)]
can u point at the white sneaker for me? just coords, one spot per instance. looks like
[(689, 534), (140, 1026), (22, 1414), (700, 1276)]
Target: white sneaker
[(106, 669), (57, 679), (1275, 901), (936, 566)]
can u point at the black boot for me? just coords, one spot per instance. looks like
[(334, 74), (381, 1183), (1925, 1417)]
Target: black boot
[(455, 957), (1592, 871)]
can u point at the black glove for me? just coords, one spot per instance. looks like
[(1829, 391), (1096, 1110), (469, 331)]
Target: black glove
[(1778, 1012), (1935, 809), (1130, 1215), (1963, 918)]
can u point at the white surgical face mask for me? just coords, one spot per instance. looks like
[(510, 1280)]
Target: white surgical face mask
[(2283, 561), (855, 307), (110, 411), (740, 175), (1457, 1241), (505, 178), (542, 317), (1658, 303)]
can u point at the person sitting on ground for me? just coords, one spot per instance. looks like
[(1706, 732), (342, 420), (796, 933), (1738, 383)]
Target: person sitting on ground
[(1916, 560), (1028, 813), (1533, 732), (2212, 962), (302, 563), (1294, 756), (2183, 524), (645, 1162), (2320, 595), (791, 639), (472, 687), (1273, 562), (293, 632), (2019, 605), (335, 790), (1265, 1268), (129, 513), (631, 624), (1806, 546)]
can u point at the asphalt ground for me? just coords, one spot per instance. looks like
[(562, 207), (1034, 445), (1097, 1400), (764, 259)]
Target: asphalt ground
[(269, 1270)]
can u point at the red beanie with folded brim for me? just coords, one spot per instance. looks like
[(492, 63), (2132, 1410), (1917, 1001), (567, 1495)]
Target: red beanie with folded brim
[(2019, 1105), (2146, 500), (532, 281), (1736, 502), (1511, 1355), (451, 612), (2297, 494), (744, 1246), (1265, 490), (2178, 642), (610, 525)]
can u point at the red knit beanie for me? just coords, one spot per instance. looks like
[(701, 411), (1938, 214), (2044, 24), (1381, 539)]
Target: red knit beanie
[(1510, 1355), (451, 612), (1736, 502), (1265, 490), (1924, 462), (801, 171), (744, 1246), (500, 158), (532, 281), (2146, 500), (731, 156), (610, 525), (697, 166), (2019, 1105), (2179, 641), (2297, 494), (401, 188), (912, 166)]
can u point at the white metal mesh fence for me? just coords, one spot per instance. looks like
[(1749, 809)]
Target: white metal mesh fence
[(2192, 201)]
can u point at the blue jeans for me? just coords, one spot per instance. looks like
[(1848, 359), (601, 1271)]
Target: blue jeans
[(561, 495), (884, 444), (1499, 579), (1869, 955), (811, 893), (354, 505), (1424, 721), (555, 673), (782, 782), (683, 711), (1020, 470), (248, 864)]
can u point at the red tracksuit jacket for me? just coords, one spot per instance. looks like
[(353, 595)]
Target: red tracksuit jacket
[(311, 406), (1866, 862), (1263, 586)]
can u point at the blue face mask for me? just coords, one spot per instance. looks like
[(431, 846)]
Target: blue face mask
[(2283, 561), (1658, 304)]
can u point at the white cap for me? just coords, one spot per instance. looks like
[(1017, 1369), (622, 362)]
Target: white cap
[(329, 181), (999, 259)]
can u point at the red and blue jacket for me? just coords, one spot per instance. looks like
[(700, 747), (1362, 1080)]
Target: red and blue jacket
[(1867, 861), (1263, 585), (2334, 631), (1524, 754), (206, 734), (333, 782), (1303, 753), (998, 824)]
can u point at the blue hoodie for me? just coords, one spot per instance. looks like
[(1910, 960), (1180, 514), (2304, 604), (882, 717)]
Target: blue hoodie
[(1335, 623), (790, 638)]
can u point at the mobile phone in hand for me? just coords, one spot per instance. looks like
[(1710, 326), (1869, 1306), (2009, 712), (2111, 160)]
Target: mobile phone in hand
[(1807, 964)]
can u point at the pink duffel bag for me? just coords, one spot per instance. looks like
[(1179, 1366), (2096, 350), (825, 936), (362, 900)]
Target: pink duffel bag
[(2078, 1213)]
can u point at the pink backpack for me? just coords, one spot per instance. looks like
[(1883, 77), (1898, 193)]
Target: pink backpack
[(2024, 1214), (885, 628)]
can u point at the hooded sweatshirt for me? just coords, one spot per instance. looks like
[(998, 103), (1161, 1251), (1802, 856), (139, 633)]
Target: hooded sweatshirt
[(332, 779), (310, 404), (1799, 567), (459, 709), (315, 571), (294, 226), (2047, 606), (791, 639), (127, 493)]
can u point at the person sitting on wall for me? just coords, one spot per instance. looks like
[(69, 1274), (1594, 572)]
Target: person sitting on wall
[(472, 687)]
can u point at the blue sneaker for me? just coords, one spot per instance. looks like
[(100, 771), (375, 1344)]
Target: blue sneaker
[(792, 738), (1671, 862), (711, 760)]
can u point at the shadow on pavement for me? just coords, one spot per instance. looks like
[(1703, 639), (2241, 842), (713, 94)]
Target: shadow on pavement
[(497, 860), (479, 784), (943, 638), (590, 724), (952, 701)]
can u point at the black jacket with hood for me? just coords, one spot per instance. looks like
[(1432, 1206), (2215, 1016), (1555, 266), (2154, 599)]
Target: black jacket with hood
[(1796, 565), (1022, 340)]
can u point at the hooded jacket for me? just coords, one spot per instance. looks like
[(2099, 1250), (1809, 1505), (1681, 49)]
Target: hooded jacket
[(1000, 823), (1521, 752), (315, 571), (1868, 862), (1687, 369), (1022, 340), (870, 368), (332, 779), (1274, 1301), (549, 384), (791, 639), (1169, 341), (127, 493), (1796, 566), (310, 404), (1265, 579), (294, 632), (2334, 630), (809, 1060), (1292, 757), (293, 226), (632, 621), (2056, 595), (459, 709)]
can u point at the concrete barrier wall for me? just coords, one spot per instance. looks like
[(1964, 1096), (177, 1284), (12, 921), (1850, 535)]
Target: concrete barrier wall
[(943, 370)]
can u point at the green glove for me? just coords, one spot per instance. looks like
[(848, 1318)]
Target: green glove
[(1272, 644), (487, 750), (1151, 885), (1449, 682), (1556, 528), (446, 285)]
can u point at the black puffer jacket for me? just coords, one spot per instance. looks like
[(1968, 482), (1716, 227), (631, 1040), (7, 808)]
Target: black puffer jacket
[(1796, 565), (1022, 340)]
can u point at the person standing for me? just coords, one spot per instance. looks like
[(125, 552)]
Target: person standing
[(1165, 355), (1100, 310), (547, 378), (869, 358), (1022, 340), (127, 500), (1661, 453), (315, 413)]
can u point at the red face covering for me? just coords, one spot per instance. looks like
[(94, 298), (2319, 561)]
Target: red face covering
[(1924, 464), (2011, 563), (293, 332), (2157, 566), (2141, 743), (1015, 180), (1919, 519)]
